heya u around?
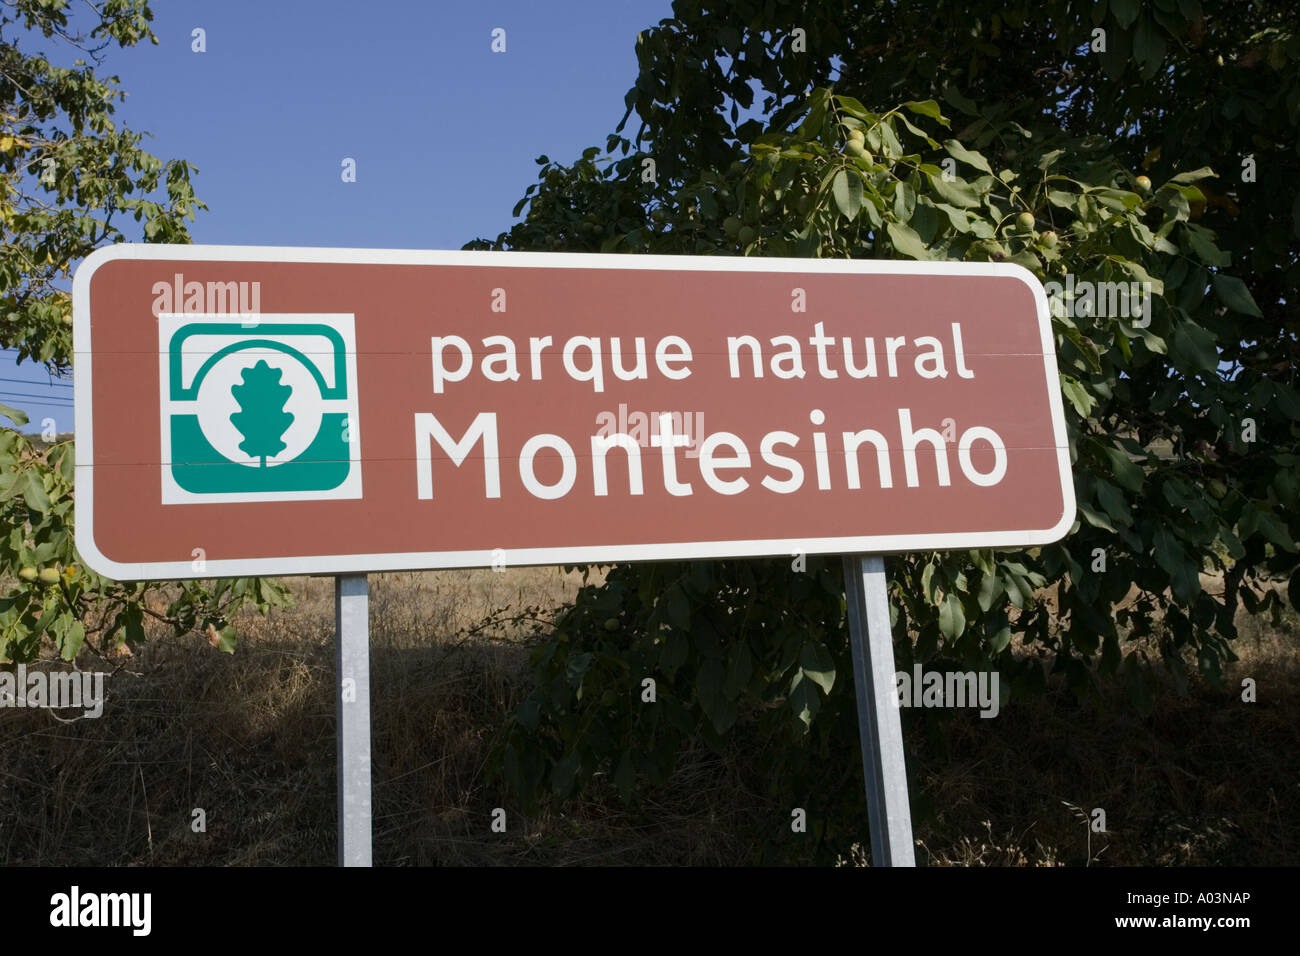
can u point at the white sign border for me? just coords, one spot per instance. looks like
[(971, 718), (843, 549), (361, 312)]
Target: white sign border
[(601, 554)]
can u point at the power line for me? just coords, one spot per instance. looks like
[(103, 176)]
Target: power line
[(36, 400), (22, 381), (27, 381), (56, 396)]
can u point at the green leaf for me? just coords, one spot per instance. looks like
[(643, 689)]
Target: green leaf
[(1048, 159), (130, 624), (1233, 293), (68, 463), (818, 101), (1174, 202), (925, 221), (34, 492), (1202, 244), (846, 187), (917, 131), (889, 143), (1093, 517), (1174, 561), (1232, 544), (1125, 12), (907, 242), (1061, 198), (926, 108), (904, 202), (71, 639), (928, 587), (17, 417), (1026, 259), (1288, 399), (1194, 346), (1275, 531), (1149, 45), (804, 700), (990, 590), (1156, 286), (952, 620), (954, 96), (1194, 176), (1126, 471), (1113, 501), (959, 218), (957, 191), (818, 665), (229, 639), (971, 158), (1076, 395), (1000, 639), (855, 109), (576, 668), (1116, 199)]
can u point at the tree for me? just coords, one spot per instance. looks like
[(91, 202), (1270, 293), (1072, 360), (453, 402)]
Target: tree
[(69, 176), (1103, 142)]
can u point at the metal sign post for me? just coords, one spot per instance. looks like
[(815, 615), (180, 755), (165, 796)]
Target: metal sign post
[(878, 718), (352, 628)]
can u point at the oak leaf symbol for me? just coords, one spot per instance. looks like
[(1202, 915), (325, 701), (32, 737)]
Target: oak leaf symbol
[(261, 418)]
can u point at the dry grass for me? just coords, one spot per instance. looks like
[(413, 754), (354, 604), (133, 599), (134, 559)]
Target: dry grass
[(249, 738), (1206, 779)]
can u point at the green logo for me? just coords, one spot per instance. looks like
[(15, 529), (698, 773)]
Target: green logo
[(261, 410)]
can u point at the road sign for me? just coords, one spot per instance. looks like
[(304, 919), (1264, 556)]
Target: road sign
[(248, 410), (524, 408)]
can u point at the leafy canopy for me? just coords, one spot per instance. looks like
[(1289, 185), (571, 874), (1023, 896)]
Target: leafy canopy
[(1127, 165), (71, 178)]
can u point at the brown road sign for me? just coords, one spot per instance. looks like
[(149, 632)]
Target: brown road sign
[(250, 410)]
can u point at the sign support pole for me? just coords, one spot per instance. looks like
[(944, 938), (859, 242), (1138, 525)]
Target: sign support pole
[(352, 629), (878, 718)]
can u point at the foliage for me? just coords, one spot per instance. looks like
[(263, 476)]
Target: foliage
[(1123, 166), (69, 175)]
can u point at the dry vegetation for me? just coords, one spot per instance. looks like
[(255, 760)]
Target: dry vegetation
[(250, 739)]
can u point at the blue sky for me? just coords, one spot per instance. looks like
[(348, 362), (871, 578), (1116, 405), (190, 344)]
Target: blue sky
[(443, 130)]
